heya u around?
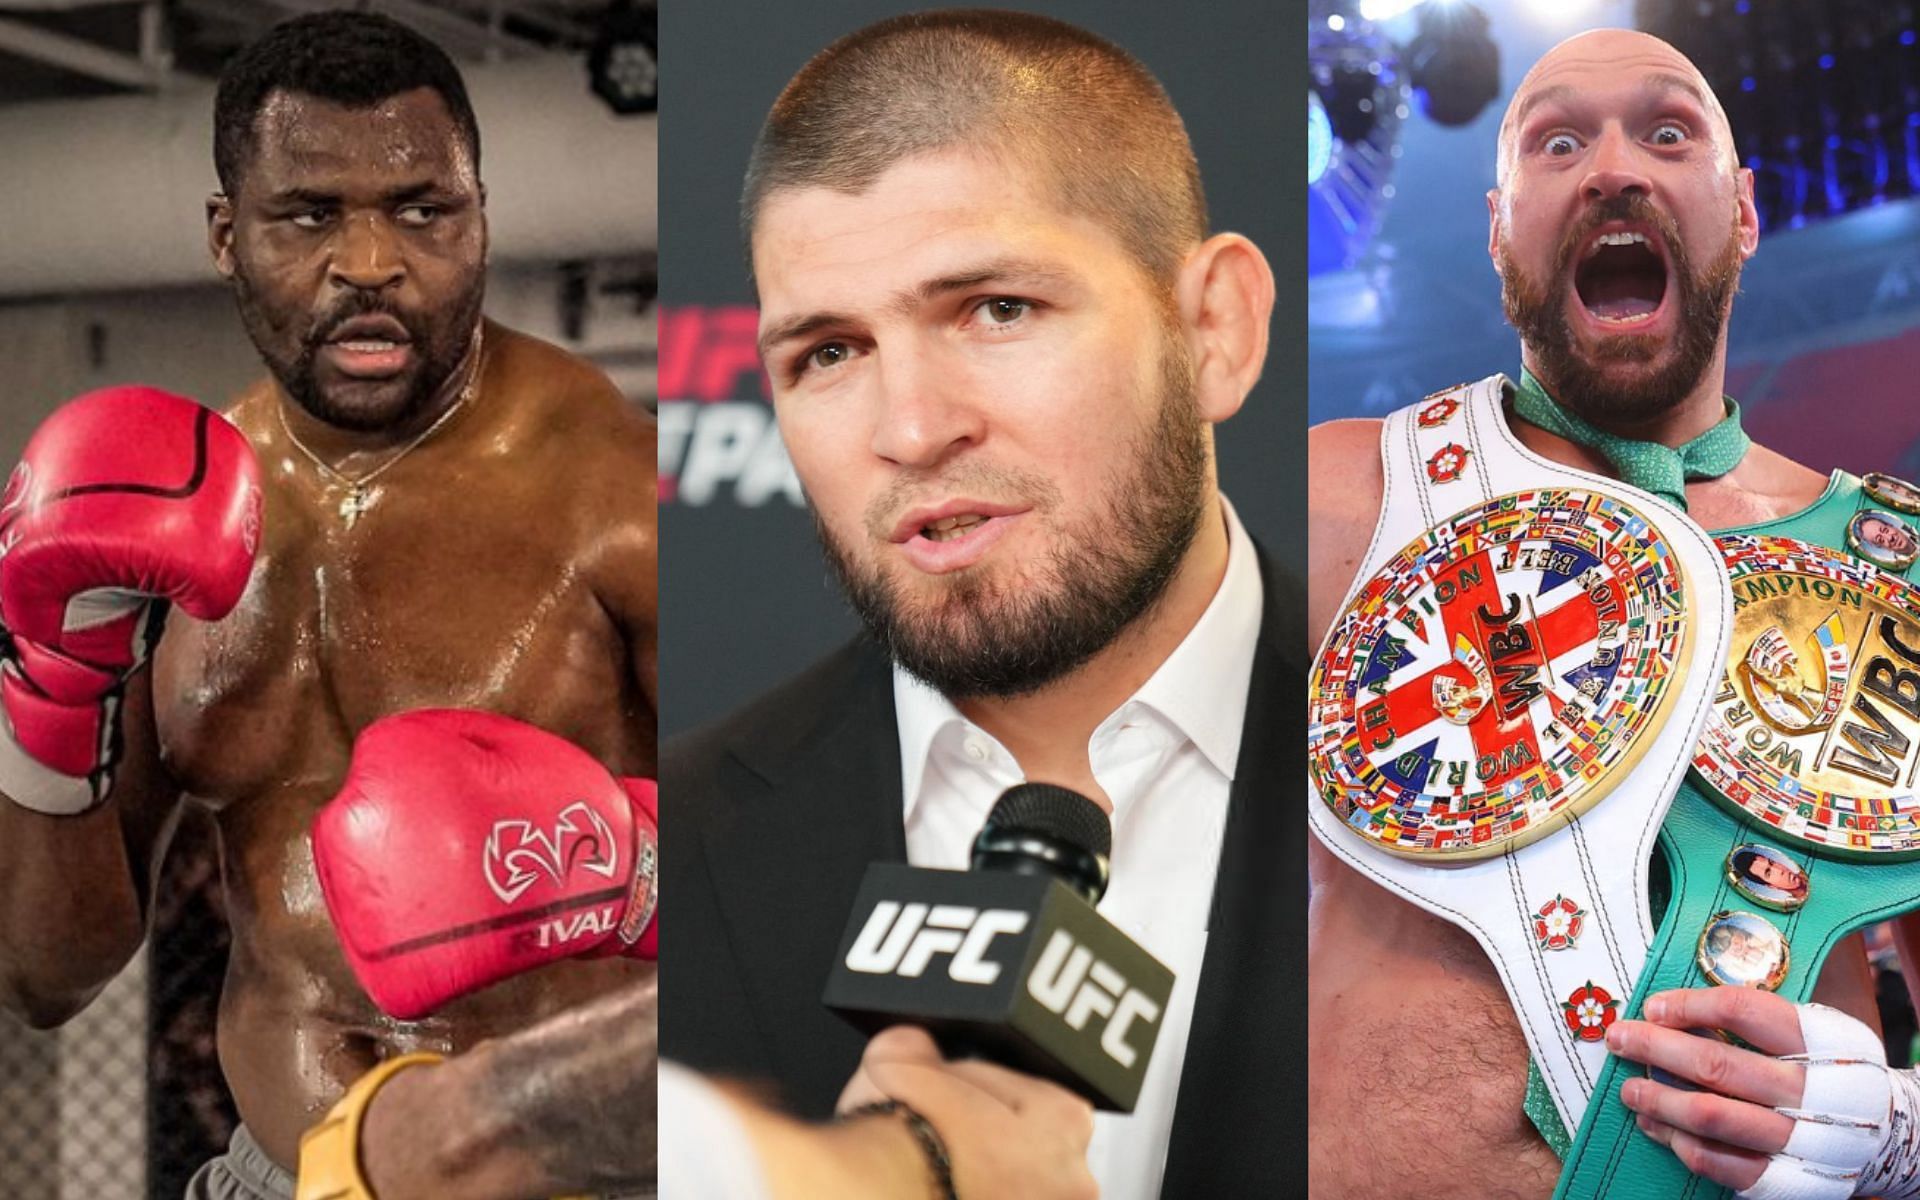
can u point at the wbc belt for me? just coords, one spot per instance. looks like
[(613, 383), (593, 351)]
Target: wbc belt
[(1500, 715), (1799, 822)]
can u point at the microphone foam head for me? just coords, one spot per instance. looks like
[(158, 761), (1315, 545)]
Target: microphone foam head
[(1059, 812)]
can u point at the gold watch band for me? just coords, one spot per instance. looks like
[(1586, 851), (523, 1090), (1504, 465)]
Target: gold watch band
[(330, 1151)]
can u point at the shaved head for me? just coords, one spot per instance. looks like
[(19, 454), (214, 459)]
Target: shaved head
[(1613, 49), (1619, 226), (1092, 126)]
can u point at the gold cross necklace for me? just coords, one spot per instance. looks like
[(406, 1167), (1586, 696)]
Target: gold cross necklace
[(355, 502)]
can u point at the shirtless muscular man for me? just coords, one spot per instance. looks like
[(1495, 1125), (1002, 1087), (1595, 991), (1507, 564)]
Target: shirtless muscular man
[(448, 515), (1611, 131)]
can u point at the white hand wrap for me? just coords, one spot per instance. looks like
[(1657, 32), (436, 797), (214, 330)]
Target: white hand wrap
[(1854, 1125)]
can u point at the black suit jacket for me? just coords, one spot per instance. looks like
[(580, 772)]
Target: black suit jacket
[(771, 816)]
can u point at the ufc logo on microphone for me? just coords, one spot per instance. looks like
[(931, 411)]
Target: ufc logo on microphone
[(900, 940), (1069, 980)]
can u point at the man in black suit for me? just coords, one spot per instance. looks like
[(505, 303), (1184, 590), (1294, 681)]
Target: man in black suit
[(999, 337)]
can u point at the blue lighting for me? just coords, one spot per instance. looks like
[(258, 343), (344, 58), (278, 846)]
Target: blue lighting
[(1906, 37), (1747, 84), (1742, 7), (1826, 62), (1319, 138)]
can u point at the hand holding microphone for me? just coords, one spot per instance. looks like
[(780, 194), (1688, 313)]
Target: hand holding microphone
[(1010, 961), (1004, 1133)]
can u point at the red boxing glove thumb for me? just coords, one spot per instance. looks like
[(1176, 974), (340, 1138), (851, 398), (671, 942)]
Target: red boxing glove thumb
[(643, 912)]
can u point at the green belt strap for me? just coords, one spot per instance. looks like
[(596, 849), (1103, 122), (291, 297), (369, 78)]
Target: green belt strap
[(1610, 1159)]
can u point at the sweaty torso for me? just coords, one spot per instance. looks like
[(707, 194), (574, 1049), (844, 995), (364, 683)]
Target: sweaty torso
[(483, 576), (1384, 977)]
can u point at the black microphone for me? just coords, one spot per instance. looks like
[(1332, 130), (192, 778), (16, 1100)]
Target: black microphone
[(1009, 961), (1037, 828)]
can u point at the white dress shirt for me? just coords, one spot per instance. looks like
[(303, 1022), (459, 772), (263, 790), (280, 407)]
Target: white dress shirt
[(1165, 759)]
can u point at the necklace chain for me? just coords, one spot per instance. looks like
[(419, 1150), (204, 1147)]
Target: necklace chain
[(355, 501)]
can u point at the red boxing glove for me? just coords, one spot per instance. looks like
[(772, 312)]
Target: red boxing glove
[(123, 496), (645, 911), (467, 847)]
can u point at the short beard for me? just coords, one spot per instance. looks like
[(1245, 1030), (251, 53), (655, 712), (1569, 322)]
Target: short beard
[(1581, 385), (982, 639), (439, 357)]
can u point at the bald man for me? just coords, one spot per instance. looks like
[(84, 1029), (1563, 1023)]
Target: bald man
[(1612, 132)]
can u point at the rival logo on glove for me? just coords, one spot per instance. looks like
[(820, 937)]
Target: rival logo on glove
[(517, 854), (563, 929)]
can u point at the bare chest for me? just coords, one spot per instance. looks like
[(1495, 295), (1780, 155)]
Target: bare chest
[(1407, 1014), (451, 605)]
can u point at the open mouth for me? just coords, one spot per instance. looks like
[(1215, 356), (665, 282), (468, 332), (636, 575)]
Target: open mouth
[(957, 533), (1622, 276), (948, 529), (371, 346)]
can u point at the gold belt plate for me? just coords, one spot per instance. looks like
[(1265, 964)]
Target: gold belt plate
[(1815, 728)]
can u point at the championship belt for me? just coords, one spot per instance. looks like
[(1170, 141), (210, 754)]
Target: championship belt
[(1500, 715), (1799, 822)]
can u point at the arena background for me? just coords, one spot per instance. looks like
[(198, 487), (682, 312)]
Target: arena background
[(1824, 99), (105, 130), (745, 599)]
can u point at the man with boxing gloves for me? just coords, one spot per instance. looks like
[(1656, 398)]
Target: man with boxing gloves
[(416, 509)]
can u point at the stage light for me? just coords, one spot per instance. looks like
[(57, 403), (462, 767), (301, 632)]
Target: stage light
[(1352, 97), (1319, 138), (1453, 63), (624, 63), (1386, 10), (1336, 22), (1561, 9), (1360, 92)]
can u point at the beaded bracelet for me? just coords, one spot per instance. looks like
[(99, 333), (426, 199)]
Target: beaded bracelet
[(923, 1131)]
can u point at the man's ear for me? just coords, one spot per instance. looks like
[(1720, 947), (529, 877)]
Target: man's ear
[(1749, 215), (1493, 227), (220, 233), (1225, 297)]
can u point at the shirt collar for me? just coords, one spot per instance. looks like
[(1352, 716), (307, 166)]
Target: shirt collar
[(1201, 688)]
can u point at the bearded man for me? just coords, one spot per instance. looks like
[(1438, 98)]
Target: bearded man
[(435, 589), (999, 336), (1619, 224)]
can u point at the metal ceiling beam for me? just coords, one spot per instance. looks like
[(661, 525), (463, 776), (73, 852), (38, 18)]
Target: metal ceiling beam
[(78, 56), (495, 12), (50, 6)]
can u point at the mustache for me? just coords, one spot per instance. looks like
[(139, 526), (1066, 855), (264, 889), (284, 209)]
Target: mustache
[(1629, 206), (355, 304), (989, 484)]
